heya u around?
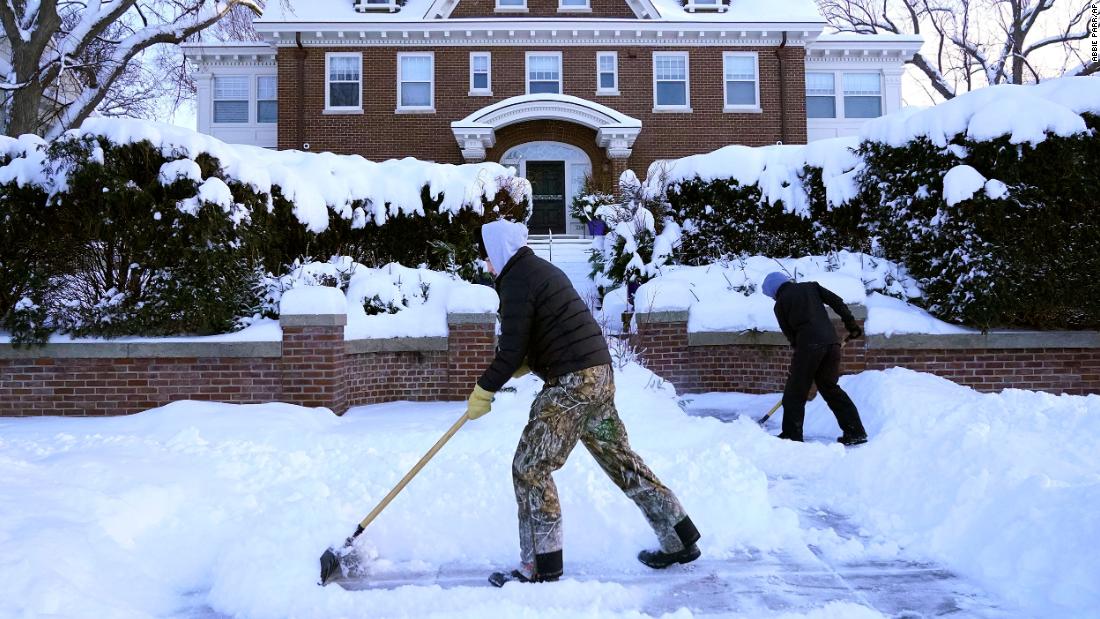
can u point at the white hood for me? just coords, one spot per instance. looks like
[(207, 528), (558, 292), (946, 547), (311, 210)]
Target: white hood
[(502, 240)]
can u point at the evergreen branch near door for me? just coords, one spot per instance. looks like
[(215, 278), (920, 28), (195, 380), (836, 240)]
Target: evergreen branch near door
[(589, 207)]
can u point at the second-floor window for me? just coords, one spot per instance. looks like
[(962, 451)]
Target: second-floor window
[(416, 81), (741, 83), (231, 99), (343, 81), (481, 70), (573, 5), (607, 73), (835, 94), (670, 81), (512, 5), (862, 95), (543, 72), (820, 95), (267, 106)]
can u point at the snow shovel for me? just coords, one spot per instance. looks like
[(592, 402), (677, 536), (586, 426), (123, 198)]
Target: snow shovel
[(332, 559)]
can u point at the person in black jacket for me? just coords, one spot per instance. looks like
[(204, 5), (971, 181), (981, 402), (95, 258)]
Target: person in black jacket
[(547, 329), (800, 310)]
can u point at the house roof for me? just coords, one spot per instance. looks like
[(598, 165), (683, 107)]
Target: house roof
[(343, 11)]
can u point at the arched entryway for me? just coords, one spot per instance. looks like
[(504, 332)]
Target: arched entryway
[(557, 172)]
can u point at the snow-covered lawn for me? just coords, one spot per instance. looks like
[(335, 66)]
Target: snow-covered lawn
[(985, 502)]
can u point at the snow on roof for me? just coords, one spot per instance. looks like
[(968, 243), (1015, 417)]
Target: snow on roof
[(740, 11), (1025, 113), (833, 36)]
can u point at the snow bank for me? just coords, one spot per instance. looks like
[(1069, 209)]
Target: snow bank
[(1024, 113), (727, 297), (392, 301), (313, 182), (200, 508)]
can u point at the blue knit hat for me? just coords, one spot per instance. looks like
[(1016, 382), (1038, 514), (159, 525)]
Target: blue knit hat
[(772, 283)]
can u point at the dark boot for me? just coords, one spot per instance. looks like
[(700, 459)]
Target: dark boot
[(788, 437), (548, 568), (851, 440), (659, 559)]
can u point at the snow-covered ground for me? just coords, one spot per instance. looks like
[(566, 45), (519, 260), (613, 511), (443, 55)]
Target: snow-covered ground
[(983, 505)]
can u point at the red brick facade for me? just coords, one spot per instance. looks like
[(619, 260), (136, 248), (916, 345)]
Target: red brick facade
[(380, 133), (313, 366), (761, 367)]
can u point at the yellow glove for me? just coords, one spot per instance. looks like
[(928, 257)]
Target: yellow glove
[(479, 403), (523, 369)]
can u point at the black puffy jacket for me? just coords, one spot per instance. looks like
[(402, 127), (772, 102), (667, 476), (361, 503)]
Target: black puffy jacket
[(800, 309), (542, 319)]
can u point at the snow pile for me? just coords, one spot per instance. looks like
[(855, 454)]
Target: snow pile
[(777, 170), (202, 508), (392, 301), (356, 189), (1024, 113), (727, 296)]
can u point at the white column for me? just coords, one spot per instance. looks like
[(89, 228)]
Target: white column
[(204, 105), (891, 89)]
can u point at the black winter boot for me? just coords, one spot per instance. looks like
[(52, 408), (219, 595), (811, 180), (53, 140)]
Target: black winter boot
[(851, 440), (688, 534), (548, 568)]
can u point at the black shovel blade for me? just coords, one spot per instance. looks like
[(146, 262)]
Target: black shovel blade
[(330, 567)]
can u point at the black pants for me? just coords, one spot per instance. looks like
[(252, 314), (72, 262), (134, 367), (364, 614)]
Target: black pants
[(820, 365)]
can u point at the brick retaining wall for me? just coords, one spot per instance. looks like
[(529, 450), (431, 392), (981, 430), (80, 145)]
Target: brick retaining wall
[(313, 366), (756, 362)]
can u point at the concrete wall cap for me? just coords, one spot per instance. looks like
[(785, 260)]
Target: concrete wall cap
[(992, 341), (648, 317), (397, 344), (742, 338), (471, 319), (313, 320), (145, 350)]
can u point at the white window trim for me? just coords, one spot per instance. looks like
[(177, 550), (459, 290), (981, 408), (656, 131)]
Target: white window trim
[(614, 90), (255, 102), (343, 109), (511, 9), (586, 8), (250, 120), (838, 113), (482, 92), (687, 84), (416, 109), (841, 104), (527, 71), (742, 109)]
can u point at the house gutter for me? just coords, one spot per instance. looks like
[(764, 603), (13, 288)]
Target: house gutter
[(300, 56), (782, 90)]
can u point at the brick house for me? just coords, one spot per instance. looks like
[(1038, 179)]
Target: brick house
[(561, 89)]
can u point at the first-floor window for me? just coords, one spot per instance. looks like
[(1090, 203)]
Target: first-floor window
[(231, 99), (511, 4), (862, 95), (480, 73), (573, 4), (820, 95), (267, 110), (415, 80), (670, 80), (544, 73), (740, 78), (344, 80), (607, 73)]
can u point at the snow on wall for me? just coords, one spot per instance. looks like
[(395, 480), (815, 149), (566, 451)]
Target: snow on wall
[(313, 182)]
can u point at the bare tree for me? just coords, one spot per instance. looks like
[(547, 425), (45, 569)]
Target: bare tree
[(60, 60), (975, 43)]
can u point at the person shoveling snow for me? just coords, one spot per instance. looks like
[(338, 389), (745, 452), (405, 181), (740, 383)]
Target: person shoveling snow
[(800, 309), (546, 328)]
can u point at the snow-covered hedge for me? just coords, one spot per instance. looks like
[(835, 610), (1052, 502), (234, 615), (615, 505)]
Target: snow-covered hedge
[(987, 199), (129, 227)]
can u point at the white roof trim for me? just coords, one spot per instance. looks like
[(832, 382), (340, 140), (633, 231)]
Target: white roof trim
[(614, 131), (442, 9)]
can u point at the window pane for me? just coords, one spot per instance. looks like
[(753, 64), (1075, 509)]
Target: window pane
[(544, 87), (574, 2), (234, 87), (266, 88), (510, 2), (820, 84), (820, 107), (543, 68), (344, 94), (862, 107), (862, 84), (343, 68), (740, 93), (607, 81), (416, 68), (671, 93), (267, 111), (481, 63), (671, 68), (481, 81), (416, 94), (231, 111), (740, 68)]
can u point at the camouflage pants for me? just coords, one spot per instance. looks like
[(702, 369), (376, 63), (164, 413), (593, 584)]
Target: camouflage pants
[(581, 406)]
